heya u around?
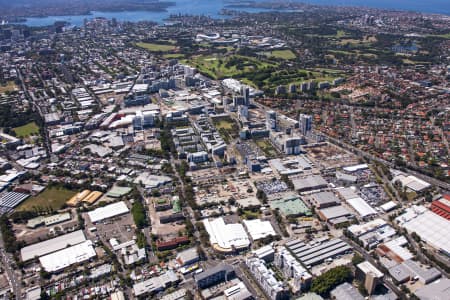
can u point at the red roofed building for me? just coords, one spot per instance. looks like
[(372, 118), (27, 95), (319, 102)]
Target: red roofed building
[(441, 207), (172, 244)]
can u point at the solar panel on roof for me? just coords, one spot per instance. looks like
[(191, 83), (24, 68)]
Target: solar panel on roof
[(12, 199)]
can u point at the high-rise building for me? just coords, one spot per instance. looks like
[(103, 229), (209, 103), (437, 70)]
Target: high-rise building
[(144, 120), (291, 268), (368, 275), (292, 145), (243, 111), (271, 120), (292, 88), (245, 93), (305, 122)]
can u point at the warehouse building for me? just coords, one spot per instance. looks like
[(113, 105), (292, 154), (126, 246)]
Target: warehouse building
[(238, 292), (410, 269), (118, 191), (388, 206), (372, 233), (312, 254), (61, 259), (430, 227), (437, 290), (411, 183), (108, 211), (355, 168), (77, 198), (52, 245), (362, 207), (335, 215), (423, 274), (291, 166), (395, 250), (323, 199), (258, 229), (313, 182), (441, 207)]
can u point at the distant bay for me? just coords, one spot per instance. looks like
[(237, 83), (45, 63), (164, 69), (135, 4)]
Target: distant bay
[(209, 8), (425, 6), (212, 8)]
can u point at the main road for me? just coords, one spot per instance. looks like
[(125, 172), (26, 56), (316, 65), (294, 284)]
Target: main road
[(7, 262)]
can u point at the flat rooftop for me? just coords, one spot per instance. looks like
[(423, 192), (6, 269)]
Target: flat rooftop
[(108, 211), (52, 245), (291, 206)]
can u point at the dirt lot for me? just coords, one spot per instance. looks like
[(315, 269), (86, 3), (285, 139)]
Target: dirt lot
[(238, 189), (329, 156), (30, 236)]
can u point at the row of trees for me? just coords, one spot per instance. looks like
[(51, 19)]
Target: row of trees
[(10, 117), (138, 212), (324, 283), (11, 244)]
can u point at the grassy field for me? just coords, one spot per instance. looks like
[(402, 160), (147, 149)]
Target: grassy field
[(367, 40), (407, 61), (340, 34), (10, 86), (50, 197), (152, 47), (225, 124), (218, 67), (266, 147), (444, 36), (299, 76), (227, 128), (250, 215), (173, 55), (411, 196), (283, 54), (27, 130)]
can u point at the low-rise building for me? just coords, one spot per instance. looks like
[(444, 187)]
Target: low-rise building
[(346, 291), (155, 284), (212, 276), (187, 257)]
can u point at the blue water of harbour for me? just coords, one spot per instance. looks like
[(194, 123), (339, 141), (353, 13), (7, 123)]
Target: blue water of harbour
[(212, 8), (209, 8)]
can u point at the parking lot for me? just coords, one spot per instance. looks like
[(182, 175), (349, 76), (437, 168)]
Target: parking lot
[(273, 186), (121, 228)]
